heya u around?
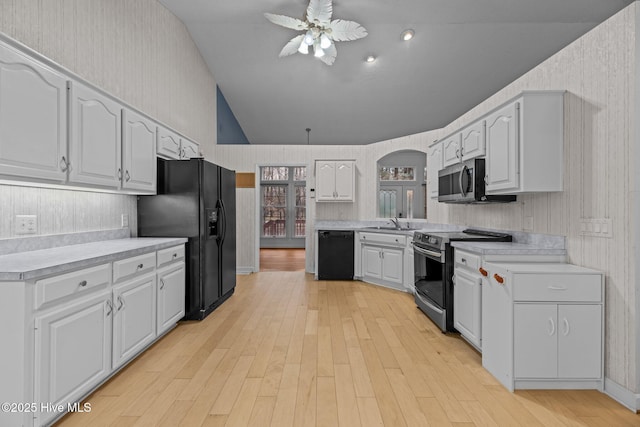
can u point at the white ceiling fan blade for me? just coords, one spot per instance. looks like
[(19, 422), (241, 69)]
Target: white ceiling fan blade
[(343, 31), (320, 10), (330, 54), (286, 21), (291, 47)]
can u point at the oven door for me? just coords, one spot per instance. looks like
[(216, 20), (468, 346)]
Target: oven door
[(429, 275)]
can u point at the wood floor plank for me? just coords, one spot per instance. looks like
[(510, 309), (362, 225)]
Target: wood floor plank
[(287, 350)]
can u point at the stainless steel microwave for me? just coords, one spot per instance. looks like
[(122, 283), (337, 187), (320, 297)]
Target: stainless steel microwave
[(464, 183)]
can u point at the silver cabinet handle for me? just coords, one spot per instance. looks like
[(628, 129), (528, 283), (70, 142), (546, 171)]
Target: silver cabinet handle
[(120, 303), (127, 177), (566, 326), (110, 307), (140, 266), (463, 260), (161, 283), (552, 327), (64, 164), (119, 174), (83, 284), (175, 256)]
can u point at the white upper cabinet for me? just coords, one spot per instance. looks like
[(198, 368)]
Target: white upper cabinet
[(451, 149), (335, 180), (172, 146), (434, 164), (472, 139), (94, 138), (33, 119), (138, 152), (524, 140)]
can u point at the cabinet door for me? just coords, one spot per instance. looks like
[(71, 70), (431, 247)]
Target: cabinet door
[(138, 152), (467, 303), (325, 181), (371, 262), (134, 317), (502, 162), (73, 350), (535, 334), (451, 150), (168, 144), (189, 149), (434, 164), (171, 296), (95, 138), (33, 119), (473, 142), (580, 341), (392, 262), (345, 174)]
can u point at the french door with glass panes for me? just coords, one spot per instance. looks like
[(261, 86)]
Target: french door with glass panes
[(283, 206)]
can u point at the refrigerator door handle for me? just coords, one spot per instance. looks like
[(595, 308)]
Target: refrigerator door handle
[(224, 222)]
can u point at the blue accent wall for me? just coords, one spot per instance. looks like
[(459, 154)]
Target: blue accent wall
[(229, 130)]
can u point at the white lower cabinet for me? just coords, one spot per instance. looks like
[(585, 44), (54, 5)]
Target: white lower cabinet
[(80, 327), (542, 325), (134, 317), (171, 296), (467, 306), (382, 259), (72, 351)]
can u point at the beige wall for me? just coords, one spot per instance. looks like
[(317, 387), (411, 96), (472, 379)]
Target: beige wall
[(135, 50)]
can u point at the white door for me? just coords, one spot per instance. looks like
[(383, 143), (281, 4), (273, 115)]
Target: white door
[(95, 138), (325, 181), (371, 262), (467, 302), (138, 152), (168, 144), (579, 341), (392, 261), (535, 335), (473, 142), (502, 149), (171, 296), (451, 150), (33, 119), (134, 317), (344, 181), (73, 350)]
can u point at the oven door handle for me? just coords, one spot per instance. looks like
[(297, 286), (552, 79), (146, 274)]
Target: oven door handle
[(426, 252)]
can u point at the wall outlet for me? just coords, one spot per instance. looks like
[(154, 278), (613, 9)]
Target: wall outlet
[(124, 220), (596, 227), (26, 224)]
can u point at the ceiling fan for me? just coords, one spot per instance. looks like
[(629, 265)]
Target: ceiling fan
[(319, 31)]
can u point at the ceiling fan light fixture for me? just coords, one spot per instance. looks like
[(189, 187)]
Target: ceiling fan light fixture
[(318, 52), (308, 38), (407, 34), (304, 48), (325, 41), (370, 59)]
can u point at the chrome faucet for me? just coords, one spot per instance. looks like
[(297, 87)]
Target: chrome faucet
[(396, 222)]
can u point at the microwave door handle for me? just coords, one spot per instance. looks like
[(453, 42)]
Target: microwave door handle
[(462, 172)]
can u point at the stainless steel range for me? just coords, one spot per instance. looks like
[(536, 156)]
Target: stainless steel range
[(433, 270)]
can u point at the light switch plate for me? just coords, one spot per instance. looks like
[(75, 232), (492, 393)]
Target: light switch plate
[(596, 227), (124, 220), (26, 224)]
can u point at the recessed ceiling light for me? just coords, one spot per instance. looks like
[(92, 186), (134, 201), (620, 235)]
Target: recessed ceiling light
[(370, 58), (407, 35)]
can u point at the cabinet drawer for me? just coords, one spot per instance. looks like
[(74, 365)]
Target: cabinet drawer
[(77, 282), (557, 287), (388, 239), (136, 265), (467, 260), (165, 256)]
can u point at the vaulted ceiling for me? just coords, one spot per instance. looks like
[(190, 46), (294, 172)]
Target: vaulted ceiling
[(463, 52)]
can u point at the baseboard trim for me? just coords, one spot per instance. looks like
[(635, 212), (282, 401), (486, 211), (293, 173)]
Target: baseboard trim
[(620, 394), (244, 270)]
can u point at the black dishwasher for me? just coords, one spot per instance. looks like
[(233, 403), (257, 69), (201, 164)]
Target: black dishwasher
[(335, 255)]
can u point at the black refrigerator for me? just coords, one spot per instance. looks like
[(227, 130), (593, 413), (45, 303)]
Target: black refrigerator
[(196, 199)]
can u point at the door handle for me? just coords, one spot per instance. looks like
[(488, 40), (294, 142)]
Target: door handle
[(161, 283), (121, 303), (552, 327), (127, 177), (110, 307), (566, 327)]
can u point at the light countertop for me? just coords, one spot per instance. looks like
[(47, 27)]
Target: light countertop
[(507, 248), (39, 263)]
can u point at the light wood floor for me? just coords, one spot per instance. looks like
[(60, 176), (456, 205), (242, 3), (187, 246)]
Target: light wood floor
[(282, 259), (286, 350)]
